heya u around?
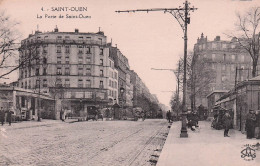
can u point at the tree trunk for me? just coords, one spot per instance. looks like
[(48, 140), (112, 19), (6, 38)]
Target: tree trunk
[(254, 68)]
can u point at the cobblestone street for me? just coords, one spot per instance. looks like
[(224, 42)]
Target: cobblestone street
[(83, 143)]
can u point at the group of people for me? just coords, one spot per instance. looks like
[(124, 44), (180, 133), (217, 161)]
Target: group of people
[(252, 124), (193, 120), (5, 115)]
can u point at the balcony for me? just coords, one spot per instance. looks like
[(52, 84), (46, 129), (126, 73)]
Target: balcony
[(55, 41)]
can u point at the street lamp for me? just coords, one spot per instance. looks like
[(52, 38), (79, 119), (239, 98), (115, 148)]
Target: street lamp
[(39, 87), (122, 90)]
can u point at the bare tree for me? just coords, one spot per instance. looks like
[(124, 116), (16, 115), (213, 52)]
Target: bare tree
[(248, 36), (199, 76), (9, 44)]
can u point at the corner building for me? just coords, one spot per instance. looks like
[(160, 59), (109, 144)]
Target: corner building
[(227, 61), (74, 67)]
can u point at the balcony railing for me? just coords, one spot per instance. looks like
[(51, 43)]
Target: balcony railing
[(47, 41)]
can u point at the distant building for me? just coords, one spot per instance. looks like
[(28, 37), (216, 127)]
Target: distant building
[(74, 67), (223, 58)]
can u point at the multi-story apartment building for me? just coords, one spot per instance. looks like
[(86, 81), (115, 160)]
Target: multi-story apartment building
[(122, 65), (226, 61), (73, 66)]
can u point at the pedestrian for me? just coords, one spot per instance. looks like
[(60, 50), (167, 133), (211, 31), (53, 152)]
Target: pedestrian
[(2, 116), (250, 124), (257, 130), (9, 116), (63, 115), (196, 118), (227, 121), (168, 115)]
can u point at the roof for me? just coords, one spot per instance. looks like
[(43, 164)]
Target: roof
[(217, 91), (257, 78)]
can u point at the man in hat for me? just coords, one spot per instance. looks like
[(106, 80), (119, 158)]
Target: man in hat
[(250, 124)]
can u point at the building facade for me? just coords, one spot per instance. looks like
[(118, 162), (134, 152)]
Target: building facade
[(226, 62), (74, 67)]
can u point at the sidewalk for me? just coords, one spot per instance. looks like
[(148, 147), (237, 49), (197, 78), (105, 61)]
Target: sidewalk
[(208, 147), (34, 123)]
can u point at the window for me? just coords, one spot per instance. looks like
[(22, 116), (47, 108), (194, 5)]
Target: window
[(58, 82), (37, 71), (25, 72), (58, 49), (25, 85), (224, 45), (37, 50), (115, 75), (100, 95), (59, 60), (88, 95), (101, 85), (37, 84), (59, 37), (88, 84), (88, 50), (101, 62), (44, 71), (59, 72), (88, 59), (88, 71), (67, 71), (29, 72), (29, 86), (67, 60), (101, 73), (233, 57), (67, 82), (100, 41), (233, 46), (67, 37), (44, 83), (80, 37), (44, 60), (45, 49), (67, 49), (80, 83), (80, 60), (110, 84), (80, 71), (80, 48), (101, 51), (224, 57)]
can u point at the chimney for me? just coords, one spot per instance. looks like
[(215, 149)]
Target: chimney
[(217, 38), (76, 30), (56, 29)]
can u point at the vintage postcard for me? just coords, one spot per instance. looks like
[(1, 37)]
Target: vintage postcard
[(129, 82)]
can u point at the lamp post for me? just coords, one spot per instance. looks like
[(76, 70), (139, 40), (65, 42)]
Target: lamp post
[(38, 105), (182, 15), (122, 90)]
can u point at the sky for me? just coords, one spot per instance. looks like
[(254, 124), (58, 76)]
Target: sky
[(148, 40)]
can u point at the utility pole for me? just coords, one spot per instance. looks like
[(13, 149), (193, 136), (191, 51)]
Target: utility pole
[(181, 15)]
